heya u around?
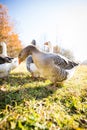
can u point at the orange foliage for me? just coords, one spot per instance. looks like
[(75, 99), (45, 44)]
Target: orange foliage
[(14, 45), (7, 34), (5, 27)]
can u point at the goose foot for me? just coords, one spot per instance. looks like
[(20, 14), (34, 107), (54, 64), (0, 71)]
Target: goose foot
[(59, 84), (55, 86), (52, 87)]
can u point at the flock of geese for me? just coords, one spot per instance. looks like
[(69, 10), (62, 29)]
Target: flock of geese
[(48, 65)]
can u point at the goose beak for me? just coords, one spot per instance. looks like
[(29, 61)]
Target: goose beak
[(19, 61)]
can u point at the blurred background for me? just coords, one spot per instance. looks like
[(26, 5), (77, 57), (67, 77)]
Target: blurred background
[(62, 23)]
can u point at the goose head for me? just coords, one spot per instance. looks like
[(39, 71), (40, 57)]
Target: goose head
[(26, 52), (33, 42)]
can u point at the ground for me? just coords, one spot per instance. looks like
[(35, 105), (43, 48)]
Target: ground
[(32, 104)]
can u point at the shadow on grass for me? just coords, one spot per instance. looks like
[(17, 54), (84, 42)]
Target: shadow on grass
[(18, 79), (33, 90)]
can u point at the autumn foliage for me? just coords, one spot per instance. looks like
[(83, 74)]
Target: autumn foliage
[(14, 45), (7, 33)]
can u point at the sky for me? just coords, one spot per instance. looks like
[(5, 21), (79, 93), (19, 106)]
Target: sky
[(63, 22)]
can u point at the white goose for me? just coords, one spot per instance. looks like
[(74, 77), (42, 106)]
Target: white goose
[(31, 67), (48, 47), (6, 63), (51, 66)]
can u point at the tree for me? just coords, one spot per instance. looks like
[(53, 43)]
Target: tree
[(7, 33), (14, 45), (5, 27)]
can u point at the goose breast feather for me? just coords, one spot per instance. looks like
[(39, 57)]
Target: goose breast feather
[(31, 67), (29, 60)]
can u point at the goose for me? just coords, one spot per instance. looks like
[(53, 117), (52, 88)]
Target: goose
[(5, 59), (31, 67), (4, 48), (6, 63), (56, 49), (48, 47), (6, 68), (52, 66), (3, 56)]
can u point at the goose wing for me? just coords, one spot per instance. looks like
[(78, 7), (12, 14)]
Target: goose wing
[(6, 59), (63, 62), (29, 60)]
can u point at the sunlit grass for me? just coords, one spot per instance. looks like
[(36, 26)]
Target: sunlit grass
[(32, 104)]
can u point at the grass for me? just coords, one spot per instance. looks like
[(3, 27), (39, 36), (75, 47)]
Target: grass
[(32, 104)]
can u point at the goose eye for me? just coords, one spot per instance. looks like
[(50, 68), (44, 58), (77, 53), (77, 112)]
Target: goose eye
[(19, 55)]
